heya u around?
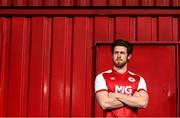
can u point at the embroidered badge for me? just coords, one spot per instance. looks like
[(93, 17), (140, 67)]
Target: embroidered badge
[(112, 78), (131, 79)]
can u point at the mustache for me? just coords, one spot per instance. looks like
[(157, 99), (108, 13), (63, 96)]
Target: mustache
[(118, 59)]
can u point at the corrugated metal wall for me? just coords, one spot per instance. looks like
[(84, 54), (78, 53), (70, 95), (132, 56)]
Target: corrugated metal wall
[(47, 63), (89, 2)]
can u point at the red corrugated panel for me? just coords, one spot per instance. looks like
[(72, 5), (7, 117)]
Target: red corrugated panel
[(36, 3), (89, 3), (51, 67), (100, 2), (122, 27), (165, 28), (79, 76), (67, 3), (18, 67), (132, 3), (175, 29), (5, 2), (107, 25), (176, 3), (178, 80), (162, 2), (147, 2), (154, 29), (39, 67), (61, 67), (83, 3), (51, 3), (115, 2), (4, 75), (20, 2), (133, 29), (144, 24)]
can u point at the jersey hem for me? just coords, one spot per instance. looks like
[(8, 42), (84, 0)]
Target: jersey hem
[(101, 90), (141, 90)]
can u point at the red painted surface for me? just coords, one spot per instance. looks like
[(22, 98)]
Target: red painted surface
[(38, 11), (48, 60), (61, 67), (5, 41), (157, 64), (89, 3), (18, 67)]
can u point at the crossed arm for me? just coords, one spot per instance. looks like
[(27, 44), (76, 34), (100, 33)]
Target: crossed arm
[(117, 100)]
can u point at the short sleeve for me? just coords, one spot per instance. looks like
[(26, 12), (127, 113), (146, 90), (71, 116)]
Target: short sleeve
[(142, 84), (100, 83)]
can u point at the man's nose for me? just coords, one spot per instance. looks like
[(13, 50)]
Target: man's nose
[(118, 55)]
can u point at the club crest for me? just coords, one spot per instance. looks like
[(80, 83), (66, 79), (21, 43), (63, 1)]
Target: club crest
[(112, 78), (131, 79)]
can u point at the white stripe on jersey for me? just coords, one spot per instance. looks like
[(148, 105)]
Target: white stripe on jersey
[(142, 84), (100, 83)]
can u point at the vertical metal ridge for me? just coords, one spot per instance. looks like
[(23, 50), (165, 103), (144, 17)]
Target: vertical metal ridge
[(83, 3), (46, 64), (5, 65), (147, 2), (85, 53), (89, 67), (69, 36), (19, 3), (72, 63), (9, 63), (66, 3), (6, 3), (175, 29), (133, 29), (29, 65), (115, 3), (25, 60), (177, 80), (111, 28), (175, 3), (154, 28), (50, 67), (35, 3), (162, 3), (165, 28), (99, 2)]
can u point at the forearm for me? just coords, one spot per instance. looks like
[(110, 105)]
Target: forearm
[(133, 101), (112, 103), (107, 102)]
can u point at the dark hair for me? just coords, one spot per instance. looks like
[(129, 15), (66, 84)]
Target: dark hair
[(124, 43)]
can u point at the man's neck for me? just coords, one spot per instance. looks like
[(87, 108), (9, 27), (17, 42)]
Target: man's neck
[(121, 70)]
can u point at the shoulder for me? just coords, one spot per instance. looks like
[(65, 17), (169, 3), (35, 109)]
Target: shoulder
[(135, 75), (100, 75)]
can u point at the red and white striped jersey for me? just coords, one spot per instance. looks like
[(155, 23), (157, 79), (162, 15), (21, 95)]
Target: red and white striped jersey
[(126, 83)]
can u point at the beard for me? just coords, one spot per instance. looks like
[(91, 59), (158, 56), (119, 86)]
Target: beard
[(119, 63)]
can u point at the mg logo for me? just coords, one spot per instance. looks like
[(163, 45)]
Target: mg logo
[(123, 89)]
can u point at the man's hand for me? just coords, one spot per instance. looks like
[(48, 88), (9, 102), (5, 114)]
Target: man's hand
[(113, 95)]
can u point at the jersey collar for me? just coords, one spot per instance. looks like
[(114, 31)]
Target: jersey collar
[(116, 72)]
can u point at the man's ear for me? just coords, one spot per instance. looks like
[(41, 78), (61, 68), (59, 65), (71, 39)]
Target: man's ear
[(129, 56)]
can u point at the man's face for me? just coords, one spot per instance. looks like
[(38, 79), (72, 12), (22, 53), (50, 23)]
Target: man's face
[(120, 56)]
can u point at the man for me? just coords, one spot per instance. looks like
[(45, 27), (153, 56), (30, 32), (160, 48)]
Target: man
[(118, 91)]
